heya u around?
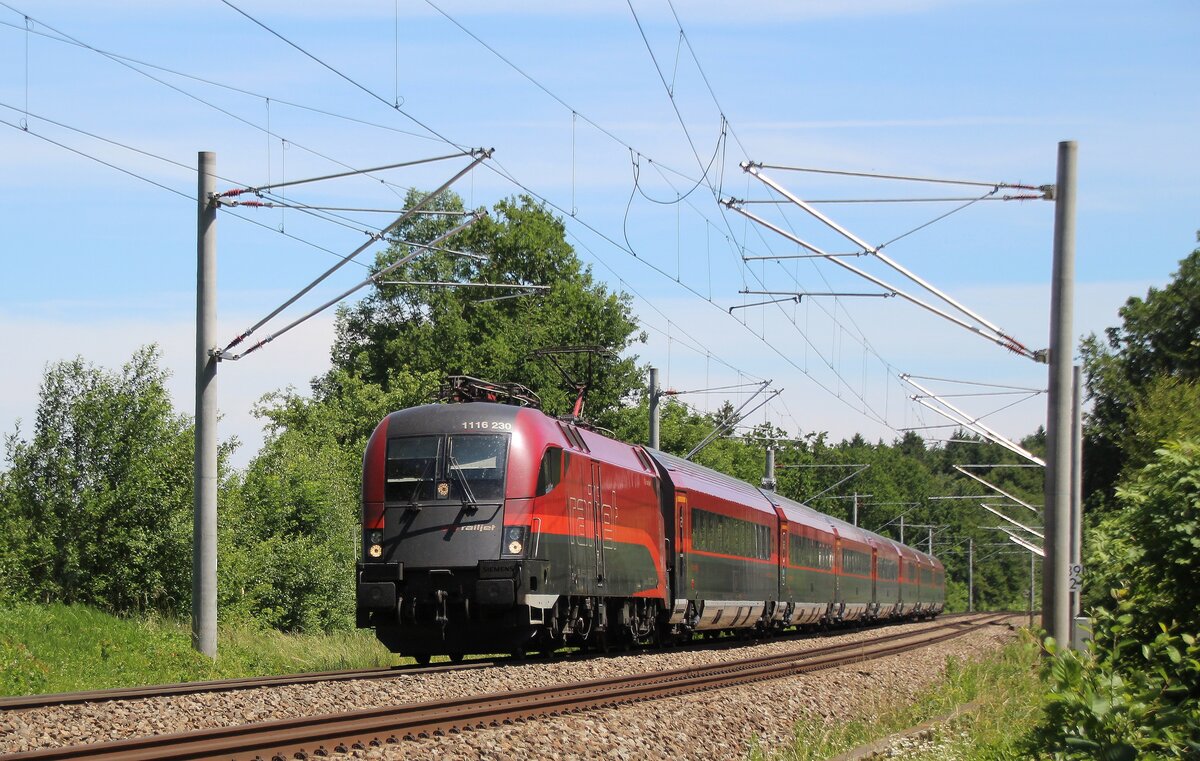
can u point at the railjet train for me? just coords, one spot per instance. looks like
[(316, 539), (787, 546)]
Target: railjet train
[(491, 528)]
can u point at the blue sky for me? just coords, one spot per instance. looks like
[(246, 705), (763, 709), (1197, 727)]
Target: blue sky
[(96, 262)]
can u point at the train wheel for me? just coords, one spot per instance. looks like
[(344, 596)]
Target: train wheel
[(456, 657), (423, 659)]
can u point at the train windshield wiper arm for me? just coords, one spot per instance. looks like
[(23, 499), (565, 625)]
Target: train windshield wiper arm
[(416, 491), (468, 496)]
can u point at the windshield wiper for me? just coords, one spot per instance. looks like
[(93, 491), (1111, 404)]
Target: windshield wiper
[(416, 490), (469, 497)]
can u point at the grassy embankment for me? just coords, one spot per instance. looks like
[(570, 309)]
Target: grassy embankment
[(1006, 688), (60, 648)]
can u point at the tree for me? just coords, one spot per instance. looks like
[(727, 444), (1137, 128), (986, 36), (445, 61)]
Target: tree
[(1168, 408), (1133, 694), (97, 506), (1152, 543), (1158, 336), (289, 528), (290, 531), (452, 331)]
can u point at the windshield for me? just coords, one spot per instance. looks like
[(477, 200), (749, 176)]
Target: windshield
[(412, 468), (477, 467), (464, 468)]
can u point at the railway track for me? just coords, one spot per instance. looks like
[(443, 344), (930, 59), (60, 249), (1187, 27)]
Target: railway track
[(317, 736), (23, 702), (26, 702)]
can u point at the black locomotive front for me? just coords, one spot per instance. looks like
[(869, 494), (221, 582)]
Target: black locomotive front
[(437, 557)]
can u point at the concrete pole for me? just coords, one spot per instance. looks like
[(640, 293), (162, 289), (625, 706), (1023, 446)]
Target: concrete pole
[(1056, 608), (1077, 490), (855, 521), (930, 548), (768, 481), (654, 414), (901, 529), (204, 525), (970, 575)]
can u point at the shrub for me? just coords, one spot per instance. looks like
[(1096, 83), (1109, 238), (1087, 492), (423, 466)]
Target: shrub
[(1124, 698)]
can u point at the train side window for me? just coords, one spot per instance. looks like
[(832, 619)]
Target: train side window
[(551, 471)]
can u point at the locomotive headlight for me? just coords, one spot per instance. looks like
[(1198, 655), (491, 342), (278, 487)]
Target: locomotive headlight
[(376, 537), (514, 540), (375, 551)]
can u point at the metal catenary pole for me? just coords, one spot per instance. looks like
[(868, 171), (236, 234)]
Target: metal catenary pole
[(654, 412), (1056, 609), (204, 525)]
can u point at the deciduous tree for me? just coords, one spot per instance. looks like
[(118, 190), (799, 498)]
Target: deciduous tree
[(97, 506)]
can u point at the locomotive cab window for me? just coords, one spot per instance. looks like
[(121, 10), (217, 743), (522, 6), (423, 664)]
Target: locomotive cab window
[(550, 473), (412, 468), (476, 467), (466, 468)]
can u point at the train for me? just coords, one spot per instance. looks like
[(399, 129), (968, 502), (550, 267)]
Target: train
[(492, 527)]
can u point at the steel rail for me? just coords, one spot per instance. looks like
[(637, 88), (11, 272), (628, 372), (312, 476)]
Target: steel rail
[(317, 736), (24, 702)]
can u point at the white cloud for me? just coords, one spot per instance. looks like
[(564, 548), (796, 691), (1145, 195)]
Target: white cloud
[(293, 360)]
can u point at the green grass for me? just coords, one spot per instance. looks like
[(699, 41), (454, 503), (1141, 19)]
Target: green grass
[(1006, 688), (65, 648)]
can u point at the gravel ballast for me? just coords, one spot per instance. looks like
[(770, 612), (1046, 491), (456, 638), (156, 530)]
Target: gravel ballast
[(719, 724)]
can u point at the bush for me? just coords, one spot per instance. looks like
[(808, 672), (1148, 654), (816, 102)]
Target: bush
[(1124, 698), (1151, 544), (1136, 693), (97, 505)]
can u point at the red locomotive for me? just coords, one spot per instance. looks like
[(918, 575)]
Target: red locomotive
[(494, 528)]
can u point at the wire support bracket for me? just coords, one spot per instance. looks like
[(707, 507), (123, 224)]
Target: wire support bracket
[(479, 155), (257, 189), (988, 331), (799, 295), (373, 279), (1044, 189)]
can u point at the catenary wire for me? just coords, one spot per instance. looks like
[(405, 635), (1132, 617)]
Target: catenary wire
[(97, 159), (222, 85), (635, 253), (169, 189), (503, 172), (121, 61)]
